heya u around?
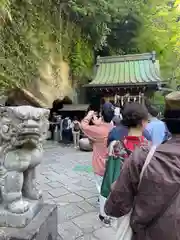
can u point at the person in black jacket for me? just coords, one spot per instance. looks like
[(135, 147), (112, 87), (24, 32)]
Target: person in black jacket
[(57, 104)]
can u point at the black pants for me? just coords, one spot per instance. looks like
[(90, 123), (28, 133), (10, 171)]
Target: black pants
[(67, 136), (52, 129)]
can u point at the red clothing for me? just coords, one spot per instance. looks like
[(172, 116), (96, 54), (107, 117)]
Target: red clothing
[(131, 142)]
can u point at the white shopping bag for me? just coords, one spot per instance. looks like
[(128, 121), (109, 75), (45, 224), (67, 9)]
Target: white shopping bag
[(124, 231)]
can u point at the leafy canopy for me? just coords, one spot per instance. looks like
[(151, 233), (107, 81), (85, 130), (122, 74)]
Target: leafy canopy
[(77, 30)]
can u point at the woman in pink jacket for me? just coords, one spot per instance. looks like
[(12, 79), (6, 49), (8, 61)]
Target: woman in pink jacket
[(98, 133)]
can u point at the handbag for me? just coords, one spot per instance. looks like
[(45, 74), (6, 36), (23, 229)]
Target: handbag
[(113, 167), (124, 231), (112, 173)]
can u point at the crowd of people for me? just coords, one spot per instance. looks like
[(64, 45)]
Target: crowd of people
[(65, 129), (151, 193), (126, 135)]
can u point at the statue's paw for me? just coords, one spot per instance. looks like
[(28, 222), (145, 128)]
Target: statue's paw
[(18, 207), (34, 194)]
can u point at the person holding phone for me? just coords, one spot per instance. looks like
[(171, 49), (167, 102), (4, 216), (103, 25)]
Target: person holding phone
[(98, 134)]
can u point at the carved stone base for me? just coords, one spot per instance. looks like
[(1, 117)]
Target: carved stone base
[(8, 219), (42, 227)]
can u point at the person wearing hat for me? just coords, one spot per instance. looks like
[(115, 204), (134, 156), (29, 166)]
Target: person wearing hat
[(98, 134)]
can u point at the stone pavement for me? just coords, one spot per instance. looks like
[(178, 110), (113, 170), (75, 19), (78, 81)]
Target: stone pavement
[(74, 192)]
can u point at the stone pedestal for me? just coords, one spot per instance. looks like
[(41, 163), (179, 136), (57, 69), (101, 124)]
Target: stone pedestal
[(9, 219), (42, 227)]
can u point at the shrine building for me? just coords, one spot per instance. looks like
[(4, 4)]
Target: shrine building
[(137, 75)]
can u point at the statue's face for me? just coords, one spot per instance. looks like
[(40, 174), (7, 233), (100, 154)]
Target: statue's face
[(23, 125)]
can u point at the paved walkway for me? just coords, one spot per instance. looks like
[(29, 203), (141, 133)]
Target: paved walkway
[(67, 180)]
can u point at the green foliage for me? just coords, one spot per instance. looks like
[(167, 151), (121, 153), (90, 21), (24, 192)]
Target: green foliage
[(94, 18), (158, 98), (39, 29), (22, 44), (30, 39), (81, 58), (5, 10), (34, 30), (160, 32), (158, 101)]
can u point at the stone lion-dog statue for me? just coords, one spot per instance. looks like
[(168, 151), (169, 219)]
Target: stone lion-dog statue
[(23, 130)]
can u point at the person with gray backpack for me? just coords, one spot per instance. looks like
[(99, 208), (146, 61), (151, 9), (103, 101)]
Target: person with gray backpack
[(66, 130)]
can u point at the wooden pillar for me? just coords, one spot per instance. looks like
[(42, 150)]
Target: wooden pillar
[(142, 98)]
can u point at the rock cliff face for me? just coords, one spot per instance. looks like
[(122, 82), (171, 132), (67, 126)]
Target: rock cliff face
[(53, 83), (172, 101)]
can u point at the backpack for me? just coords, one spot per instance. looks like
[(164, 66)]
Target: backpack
[(118, 152), (65, 124), (76, 127), (116, 157)]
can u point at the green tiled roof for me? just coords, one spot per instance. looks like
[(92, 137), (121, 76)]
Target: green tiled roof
[(137, 69)]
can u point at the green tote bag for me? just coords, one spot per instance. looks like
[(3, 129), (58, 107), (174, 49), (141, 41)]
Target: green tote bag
[(114, 164)]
